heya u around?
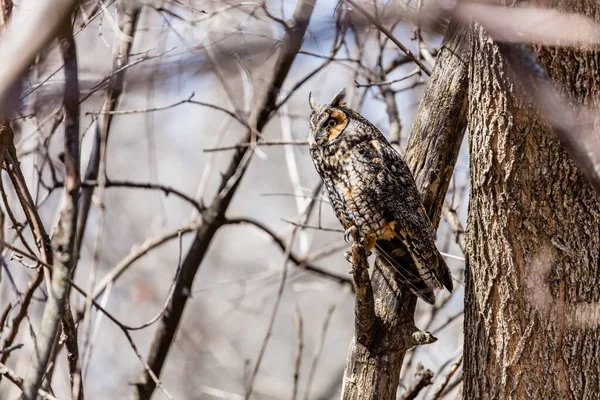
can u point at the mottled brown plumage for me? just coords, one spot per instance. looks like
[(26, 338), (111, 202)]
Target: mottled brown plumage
[(370, 188)]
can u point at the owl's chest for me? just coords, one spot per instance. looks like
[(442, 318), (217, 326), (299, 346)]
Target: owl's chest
[(352, 180), (342, 170)]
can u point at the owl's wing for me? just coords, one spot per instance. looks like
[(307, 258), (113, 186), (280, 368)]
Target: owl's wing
[(335, 198), (401, 202), (331, 189)]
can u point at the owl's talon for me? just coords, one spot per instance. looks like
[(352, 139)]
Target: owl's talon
[(368, 253), (348, 233), (348, 256)]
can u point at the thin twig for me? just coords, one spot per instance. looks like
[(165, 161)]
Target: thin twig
[(301, 263), (167, 190), (101, 309), (299, 347), (389, 34), (11, 348), (318, 351), (137, 253), (258, 144), (410, 75), (18, 381), (288, 249), (189, 100), (123, 46), (457, 229), (453, 368)]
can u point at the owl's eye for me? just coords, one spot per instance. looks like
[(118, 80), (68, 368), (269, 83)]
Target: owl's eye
[(331, 123)]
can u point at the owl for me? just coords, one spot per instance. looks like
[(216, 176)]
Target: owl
[(371, 189)]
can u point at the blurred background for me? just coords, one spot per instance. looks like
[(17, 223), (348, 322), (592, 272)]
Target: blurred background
[(194, 73)]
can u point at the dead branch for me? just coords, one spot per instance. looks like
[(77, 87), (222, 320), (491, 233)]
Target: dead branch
[(301, 263), (72, 186), (299, 347), (63, 238), (423, 378), (111, 101), (446, 99), (261, 143), (17, 380), (389, 34)]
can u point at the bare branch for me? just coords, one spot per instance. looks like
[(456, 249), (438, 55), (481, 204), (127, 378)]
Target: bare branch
[(453, 368), (214, 216), (111, 101), (457, 229), (446, 98), (167, 190), (304, 264), (409, 75), (11, 348), (71, 160), (17, 380), (390, 35), (258, 144), (26, 34), (299, 347), (63, 238), (423, 378)]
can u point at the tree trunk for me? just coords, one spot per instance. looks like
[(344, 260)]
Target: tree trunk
[(532, 302)]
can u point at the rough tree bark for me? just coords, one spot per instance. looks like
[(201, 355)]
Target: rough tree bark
[(533, 238), (381, 340)]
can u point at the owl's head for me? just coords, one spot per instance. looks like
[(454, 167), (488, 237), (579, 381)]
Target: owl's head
[(333, 122)]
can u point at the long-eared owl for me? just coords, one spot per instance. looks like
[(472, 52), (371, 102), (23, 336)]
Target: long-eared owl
[(371, 189)]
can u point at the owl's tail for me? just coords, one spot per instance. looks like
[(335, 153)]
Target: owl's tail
[(443, 273), (394, 254)]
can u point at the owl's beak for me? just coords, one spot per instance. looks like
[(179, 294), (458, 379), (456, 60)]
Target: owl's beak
[(318, 134), (316, 137)]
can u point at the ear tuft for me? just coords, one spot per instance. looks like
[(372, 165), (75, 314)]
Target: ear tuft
[(311, 102), (338, 99)]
